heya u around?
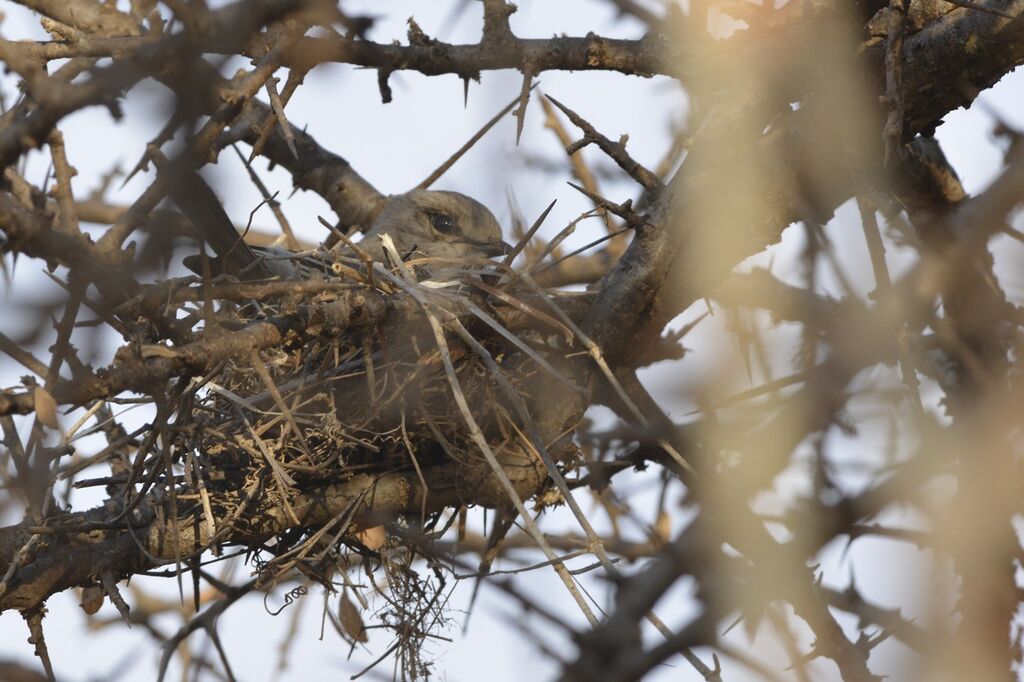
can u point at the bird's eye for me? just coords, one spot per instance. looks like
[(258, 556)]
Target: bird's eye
[(441, 222)]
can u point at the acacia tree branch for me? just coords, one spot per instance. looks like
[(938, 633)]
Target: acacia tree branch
[(87, 15), (31, 123), (146, 539), (158, 364), (657, 277), (635, 298), (647, 56), (652, 54), (352, 198)]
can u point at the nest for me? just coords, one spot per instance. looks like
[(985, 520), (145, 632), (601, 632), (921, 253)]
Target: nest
[(346, 420), (323, 409)]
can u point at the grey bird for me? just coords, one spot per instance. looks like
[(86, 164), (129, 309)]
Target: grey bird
[(421, 223)]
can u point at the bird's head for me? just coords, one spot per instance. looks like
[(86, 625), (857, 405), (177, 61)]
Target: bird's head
[(442, 224)]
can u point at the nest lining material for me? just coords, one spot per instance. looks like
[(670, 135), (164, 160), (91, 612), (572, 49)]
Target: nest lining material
[(328, 409)]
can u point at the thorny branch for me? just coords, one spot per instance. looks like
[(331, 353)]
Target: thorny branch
[(350, 419)]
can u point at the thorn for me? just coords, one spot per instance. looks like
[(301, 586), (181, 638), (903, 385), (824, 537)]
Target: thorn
[(616, 150), (432, 178), (687, 328), (623, 210), (165, 135), (382, 84), (277, 106), (524, 99), (846, 547), (110, 587), (573, 116), (142, 164), (517, 249), (730, 626)]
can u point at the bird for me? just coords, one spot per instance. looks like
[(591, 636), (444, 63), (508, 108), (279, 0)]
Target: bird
[(421, 223)]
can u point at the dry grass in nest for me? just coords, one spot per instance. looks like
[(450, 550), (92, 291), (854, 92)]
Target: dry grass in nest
[(320, 411)]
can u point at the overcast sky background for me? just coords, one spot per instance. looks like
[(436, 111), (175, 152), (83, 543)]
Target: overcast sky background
[(395, 146)]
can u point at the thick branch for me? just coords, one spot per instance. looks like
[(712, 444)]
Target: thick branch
[(87, 15), (140, 371), (799, 158), (59, 565)]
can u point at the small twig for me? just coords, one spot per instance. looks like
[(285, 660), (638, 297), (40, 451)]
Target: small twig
[(585, 247), (450, 161), (26, 359), (278, 108), (623, 210), (270, 200), (496, 22), (552, 246), (579, 165), (62, 189), (616, 150), (883, 284), (110, 589), (34, 619), (295, 79)]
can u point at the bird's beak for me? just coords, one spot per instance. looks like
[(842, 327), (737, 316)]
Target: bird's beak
[(494, 247)]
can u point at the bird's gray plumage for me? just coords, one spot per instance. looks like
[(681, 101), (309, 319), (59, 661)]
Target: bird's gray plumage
[(421, 223)]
